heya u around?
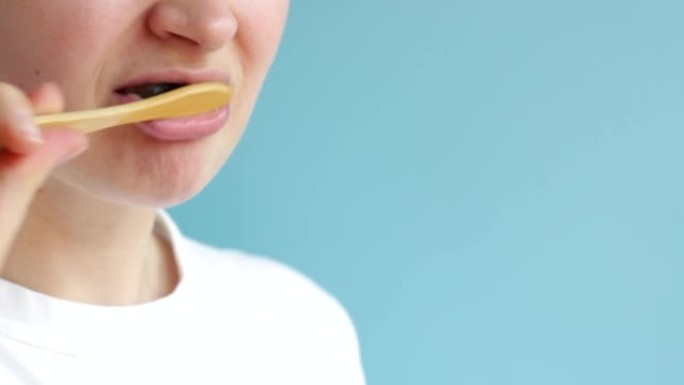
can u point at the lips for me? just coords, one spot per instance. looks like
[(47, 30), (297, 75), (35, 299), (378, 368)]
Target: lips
[(176, 129)]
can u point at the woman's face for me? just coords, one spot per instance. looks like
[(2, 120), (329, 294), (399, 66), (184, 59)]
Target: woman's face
[(92, 48)]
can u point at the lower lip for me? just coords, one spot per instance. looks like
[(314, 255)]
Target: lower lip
[(180, 129)]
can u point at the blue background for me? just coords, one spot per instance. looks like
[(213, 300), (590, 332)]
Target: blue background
[(493, 188)]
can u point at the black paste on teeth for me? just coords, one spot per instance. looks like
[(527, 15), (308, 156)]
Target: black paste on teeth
[(150, 90)]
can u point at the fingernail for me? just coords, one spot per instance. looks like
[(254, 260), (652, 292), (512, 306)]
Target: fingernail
[(27, 128), (69, 155)]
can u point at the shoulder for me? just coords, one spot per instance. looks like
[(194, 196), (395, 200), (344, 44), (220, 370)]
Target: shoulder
[(292, 317), (260, 273), (272, 285), (272, 312)]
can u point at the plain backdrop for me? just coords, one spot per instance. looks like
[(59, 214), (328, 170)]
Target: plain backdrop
[(492, 188)]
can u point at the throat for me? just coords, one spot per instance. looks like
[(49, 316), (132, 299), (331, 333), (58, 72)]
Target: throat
[(90, 255), (161, 274)]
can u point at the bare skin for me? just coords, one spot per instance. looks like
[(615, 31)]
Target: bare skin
[(77, 213)]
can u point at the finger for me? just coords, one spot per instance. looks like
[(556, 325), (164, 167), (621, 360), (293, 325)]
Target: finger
[(47, 99), (18, 133), (60, 146)]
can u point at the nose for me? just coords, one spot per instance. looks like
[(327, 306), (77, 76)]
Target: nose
[(206, 24)]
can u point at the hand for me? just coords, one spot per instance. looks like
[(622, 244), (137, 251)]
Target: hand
[(27, 154)]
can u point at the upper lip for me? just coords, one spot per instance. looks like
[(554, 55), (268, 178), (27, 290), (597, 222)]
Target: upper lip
[(176, 76)]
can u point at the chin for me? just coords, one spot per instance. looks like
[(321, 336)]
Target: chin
[(163, 197), (124, 168), (159, 184), (159, 188)]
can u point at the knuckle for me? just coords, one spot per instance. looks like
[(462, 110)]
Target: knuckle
[(12, 98), (14, 109)]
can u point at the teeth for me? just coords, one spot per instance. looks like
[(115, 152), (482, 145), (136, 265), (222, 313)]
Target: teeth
[(149, 90)]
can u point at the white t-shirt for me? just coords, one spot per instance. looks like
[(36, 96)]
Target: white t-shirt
[(233, 319)]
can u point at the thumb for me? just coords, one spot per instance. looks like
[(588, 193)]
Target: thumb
[(59, 146)]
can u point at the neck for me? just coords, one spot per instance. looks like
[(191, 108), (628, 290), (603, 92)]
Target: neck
[(75, 247)]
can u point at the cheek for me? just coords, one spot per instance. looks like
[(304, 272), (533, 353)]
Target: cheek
[(61, 41), (261, 25)]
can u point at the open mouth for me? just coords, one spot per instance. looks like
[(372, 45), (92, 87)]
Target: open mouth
[(149, 90), (175, 128)]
